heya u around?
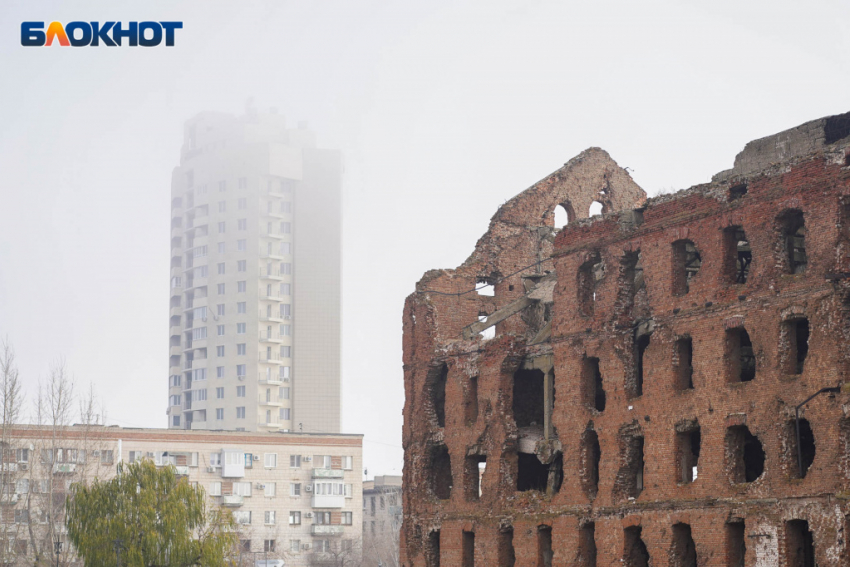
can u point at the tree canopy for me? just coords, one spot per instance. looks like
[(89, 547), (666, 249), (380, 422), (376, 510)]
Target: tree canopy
[(159, 519)]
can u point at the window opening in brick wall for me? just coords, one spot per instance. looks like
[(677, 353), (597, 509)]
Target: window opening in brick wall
[(563, 215), (794, 345), (631, 279), (744, 455), (686, 265), (531, 473), (847, 160), (737, 191), (635, 553), (799, 544), (594, 393), (589, 274), (489, 332), (586, 556), (792, 228), (591, 454), (468, 551), (438, 378), (528, 402), (506, 556), (738, 255), (629, 481), (544, 546), (641, 344), (807, 447), (688, 442), (473, 470), (484, 286), (596, 208), (683, 552), (432, 549), (441, 472), (740, 358), (683, 354), (736, 544), (470, 401)]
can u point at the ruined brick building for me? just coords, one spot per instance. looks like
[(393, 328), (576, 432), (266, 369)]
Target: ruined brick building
[(636, 402)]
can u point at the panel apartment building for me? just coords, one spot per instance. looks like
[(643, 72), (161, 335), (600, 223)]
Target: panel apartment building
[(255, 278), (295, 497)]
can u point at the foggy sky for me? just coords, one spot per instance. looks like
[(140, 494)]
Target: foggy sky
[(443, 109)]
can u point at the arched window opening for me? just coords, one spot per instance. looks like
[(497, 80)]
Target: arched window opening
[(595, 209), (740, 357), (562, 216), (441, 472), (792, 228), (745, 455), (635, 553), (738, 255), (794, 346), (684, 551), (802, 454)]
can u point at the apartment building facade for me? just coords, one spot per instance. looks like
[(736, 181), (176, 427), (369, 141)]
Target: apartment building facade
[(254, 328), (382, 516), (294, 497)]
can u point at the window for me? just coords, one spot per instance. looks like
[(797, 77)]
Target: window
[(240, 391), (286, 227), (175, 400), (285, 351), (285, 248), (285, 414), (686, 262), (241, 370), (220, 268), (322, 461), (268, 544), (285, 289), (740, 357), (242, 224), (219, 309), (199, 334), (215, 459), (240, 328), (270, 460), (241, 287), (219, 393), (199, 395), (222, 186), (285, 207), (241, 307), (221, 247), (241, 245), (295, 489), (175, 421), (347, 518), (284, 393), (176, 380), (199, 374), (322, 518), (241, 266), (240, 412), (222, 206), (793, 230), (219, 414), (322, 545), (221, 226), (243, 203), (294, 518), (219, 372), (348, 463), (295, 546), (240, 349), (220, 289), (270, 490), (295, 461), (220, 330), (219, 350), (269, 518), (285, 268)]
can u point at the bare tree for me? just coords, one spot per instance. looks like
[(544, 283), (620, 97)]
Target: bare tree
[(381, 533), (10, 453)]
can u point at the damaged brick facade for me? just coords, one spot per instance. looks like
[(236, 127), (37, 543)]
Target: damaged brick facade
[(636, 404)]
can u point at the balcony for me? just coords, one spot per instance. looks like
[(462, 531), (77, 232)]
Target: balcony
[(8, 498), (275, 401), (328, 473), (275, 317), (232, 501), (272, 274), (274, 297), (270, 337), (64, 468), (273, 358), (272, 256), (326, 530), (275, 214), (275, 234), (273, 424), (270, 379), (183, 470), (327, 501)]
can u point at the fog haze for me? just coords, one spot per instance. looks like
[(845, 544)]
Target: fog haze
[(443, 110)]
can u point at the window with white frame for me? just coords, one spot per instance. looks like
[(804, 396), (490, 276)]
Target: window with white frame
[(322, 518), (241, 328), (241, 370), (242, 517), (242, 287), (240, 412), (220, 330), (199, 374), (242, 307), (221, 247), (242, 224), (174, 400), (294, 518), (220, 268), (322, 545), (285, 371), (270, 460), (349, 491), (220, 289), (295, 546), (284, 414), (243, 203), (215, 488), (285, 248), (241, 349), (219, 350), (199, 395), (219, 414), (219, 309), (347, 518), (241, 488), (285, 330), (219, 393), (219, 371), (241, 245), (215, 459), (329, 489), (322, 461), (199, 334), (269, 520), (286, 227), (199, 313), (270, 490), (221, 227), (348, 462), (295, 489), (284, 393), (222, 206), (295, 461), (241, 266), (240, 391), (285, 351), (285, 310)]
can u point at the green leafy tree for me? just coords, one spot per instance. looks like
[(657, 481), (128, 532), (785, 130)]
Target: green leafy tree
[(158, 518)]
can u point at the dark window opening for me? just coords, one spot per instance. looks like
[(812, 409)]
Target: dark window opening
[(438, 378), (795, 335), (738, 255), (468, 557), (736, 544), (683, 552), (740, 358), (630, 283), (544, 546), (531, 473), (688, 442), (556, 474), (586, 556), (792, 227), (686, 265), (836, 128), (641, 344), (737, 191), (441, 472), (807, 448), (473, 469), (635, 553), (470, 402), (847, 160), (506, 555), (591, 454), (683, 354), (589, 274), (745, 455), (528, 400), (594, 393), (629, 481), (799, 544), (432, 551)]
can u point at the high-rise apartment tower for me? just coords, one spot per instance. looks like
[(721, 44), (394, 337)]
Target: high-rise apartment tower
[(255, 278)]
